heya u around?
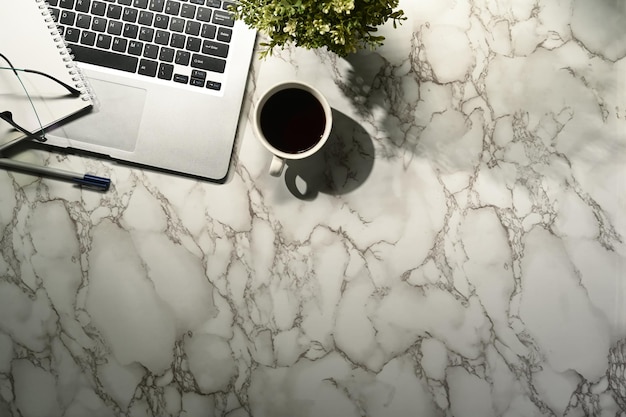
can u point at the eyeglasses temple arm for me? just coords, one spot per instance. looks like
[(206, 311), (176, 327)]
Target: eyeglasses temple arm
[(8, 117), (68, 87)]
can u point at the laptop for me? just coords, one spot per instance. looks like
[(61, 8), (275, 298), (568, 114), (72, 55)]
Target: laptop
[(168, 76)]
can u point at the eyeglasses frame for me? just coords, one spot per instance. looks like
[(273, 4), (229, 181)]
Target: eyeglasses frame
[(7, 116)]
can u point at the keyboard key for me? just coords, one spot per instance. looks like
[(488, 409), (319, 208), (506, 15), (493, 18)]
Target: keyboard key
[(161, 21), (213, 85), (130, 15), (166, 55), (196, 82), (214, 3), (157, 5), (228, 4), (148, 67), (131, 31), (72, 35), (115, 27), (83, 21), (182, 58), (178, 41), (140, 4), (151, 51), (67, 18), (104, 41), (198, 74), (208, 63), (135, 48), (55, 3), (162, 37), (223, 18), (204, 14), (145, 18), (146, 34), (200, 2), (179, 78), (104, 58), (99, 24), (125, 2), (119, 45), (192, 28), (98, 8), (66, 4), (114, 11), (172, 7), (193, 44), (215, 49), (188, 11), (83, 6), (166, 71), (208, 31), (177, 24), (88, 38), (224, 34)]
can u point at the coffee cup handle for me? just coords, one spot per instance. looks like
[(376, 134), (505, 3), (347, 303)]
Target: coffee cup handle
[(276, 166)]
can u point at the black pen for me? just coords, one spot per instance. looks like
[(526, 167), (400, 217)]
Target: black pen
[(84, 180)]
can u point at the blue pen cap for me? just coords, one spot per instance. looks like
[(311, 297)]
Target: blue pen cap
[(92, 181)]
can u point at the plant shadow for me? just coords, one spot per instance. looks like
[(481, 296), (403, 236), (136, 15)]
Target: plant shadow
[(385, 93)]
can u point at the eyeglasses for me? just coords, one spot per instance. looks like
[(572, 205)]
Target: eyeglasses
[(92, 181), (7, 116)]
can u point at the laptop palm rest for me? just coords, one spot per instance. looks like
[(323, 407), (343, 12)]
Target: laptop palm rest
[(115, 121)]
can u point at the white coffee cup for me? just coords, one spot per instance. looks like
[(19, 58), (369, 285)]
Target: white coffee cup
[(293, 120)]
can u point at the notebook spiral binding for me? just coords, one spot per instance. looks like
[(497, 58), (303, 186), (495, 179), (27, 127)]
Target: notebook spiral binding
[(80, 81)]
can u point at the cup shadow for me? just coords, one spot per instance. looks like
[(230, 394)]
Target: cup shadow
[(341, 166)]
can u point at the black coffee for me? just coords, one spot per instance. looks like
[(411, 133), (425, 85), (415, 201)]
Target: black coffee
[(293, 120)]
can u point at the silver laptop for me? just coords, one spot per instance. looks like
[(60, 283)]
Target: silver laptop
[(168, 76)]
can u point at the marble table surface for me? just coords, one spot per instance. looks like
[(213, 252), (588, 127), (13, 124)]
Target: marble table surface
[(457, 249)]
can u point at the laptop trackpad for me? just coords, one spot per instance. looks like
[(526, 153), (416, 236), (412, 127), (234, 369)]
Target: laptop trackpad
[(115, 121)]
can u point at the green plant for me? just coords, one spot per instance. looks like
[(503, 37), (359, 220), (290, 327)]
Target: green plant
[(342, 26)]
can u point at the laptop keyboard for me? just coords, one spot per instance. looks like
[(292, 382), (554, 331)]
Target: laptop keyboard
[(185, 42)]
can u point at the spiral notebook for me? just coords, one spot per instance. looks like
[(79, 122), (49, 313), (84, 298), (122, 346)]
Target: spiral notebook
[(30, 40)]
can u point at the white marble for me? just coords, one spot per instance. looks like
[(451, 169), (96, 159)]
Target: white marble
[(457, 250)]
